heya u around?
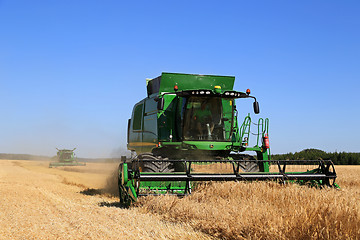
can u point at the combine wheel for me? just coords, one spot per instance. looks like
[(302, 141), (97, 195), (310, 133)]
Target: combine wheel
[(123, 191), (249, 166), (329, 170), (154, 166)]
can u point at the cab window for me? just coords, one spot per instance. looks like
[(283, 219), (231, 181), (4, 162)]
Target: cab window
[(138, 112)]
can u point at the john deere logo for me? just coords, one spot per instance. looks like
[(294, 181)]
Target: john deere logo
[(211, 146)]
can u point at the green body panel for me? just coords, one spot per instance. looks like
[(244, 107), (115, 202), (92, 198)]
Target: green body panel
[(210, 146), (162, 185), (127, 186), (65, 164), (194, 82)]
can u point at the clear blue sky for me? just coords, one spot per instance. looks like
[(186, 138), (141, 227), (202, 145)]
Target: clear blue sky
[(70, 71)]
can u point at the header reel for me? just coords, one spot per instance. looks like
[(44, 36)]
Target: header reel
[(134, 183)]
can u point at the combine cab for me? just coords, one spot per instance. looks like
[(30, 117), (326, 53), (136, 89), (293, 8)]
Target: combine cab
[(187, 131), (66, 157)]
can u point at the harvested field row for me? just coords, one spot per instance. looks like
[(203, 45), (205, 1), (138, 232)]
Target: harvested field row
[(42, 203)]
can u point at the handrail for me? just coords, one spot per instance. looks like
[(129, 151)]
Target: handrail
[(263, 128), (260, 123), (244, 131)]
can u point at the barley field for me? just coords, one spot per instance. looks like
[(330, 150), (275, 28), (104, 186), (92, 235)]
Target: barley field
[(38, 202)]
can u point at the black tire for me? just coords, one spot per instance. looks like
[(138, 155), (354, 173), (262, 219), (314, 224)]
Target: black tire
[(251, 166), (156, 165)]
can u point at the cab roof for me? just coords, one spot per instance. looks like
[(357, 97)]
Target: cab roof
[(166, 82)]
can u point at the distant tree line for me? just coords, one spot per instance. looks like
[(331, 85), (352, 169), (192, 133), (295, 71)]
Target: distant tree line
[(339, 158)]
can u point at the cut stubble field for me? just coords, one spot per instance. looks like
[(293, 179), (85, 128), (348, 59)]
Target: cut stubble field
[(38, 202)]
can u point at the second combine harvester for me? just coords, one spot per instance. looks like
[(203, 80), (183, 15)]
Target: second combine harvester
[(189, 122)]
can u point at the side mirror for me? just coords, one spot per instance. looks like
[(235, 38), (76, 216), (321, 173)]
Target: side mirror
[(160, 103), (256, 107)]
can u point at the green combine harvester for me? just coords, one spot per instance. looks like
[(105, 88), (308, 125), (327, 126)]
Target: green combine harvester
[(188, 123), (66, 157)]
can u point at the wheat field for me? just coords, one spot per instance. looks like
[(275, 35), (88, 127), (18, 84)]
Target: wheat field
[(80, 203), (267, 210), (38, 202)]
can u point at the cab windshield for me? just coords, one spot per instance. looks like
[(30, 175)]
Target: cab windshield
[(207, 119), (65, 155)]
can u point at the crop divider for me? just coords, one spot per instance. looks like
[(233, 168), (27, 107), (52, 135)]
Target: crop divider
[(282, 172), (188, 174)]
